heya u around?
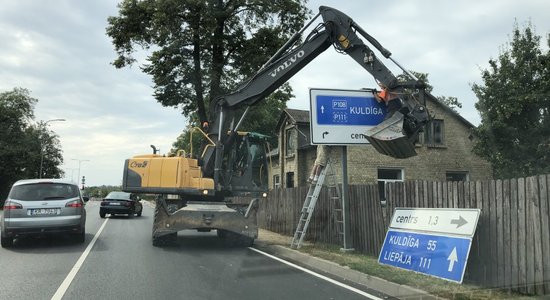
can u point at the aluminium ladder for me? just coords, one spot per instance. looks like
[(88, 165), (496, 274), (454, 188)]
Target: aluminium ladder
[(336, 197), (309, 206)]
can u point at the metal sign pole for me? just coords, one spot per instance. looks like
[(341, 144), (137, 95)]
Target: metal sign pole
[(345, 202)]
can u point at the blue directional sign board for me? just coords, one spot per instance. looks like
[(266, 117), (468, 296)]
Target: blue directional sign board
[(440, 256), (431, 241), (342, 117), (349, 110)]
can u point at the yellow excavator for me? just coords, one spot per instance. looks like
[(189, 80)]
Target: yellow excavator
[(195, 192)]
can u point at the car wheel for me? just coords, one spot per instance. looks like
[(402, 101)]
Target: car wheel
[(139, 213), (6, 242), (80, 237), (102, 214)]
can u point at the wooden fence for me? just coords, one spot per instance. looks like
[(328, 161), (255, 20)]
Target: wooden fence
[(511, 247)]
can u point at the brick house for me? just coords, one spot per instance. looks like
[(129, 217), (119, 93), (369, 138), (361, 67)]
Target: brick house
[(444, 153)]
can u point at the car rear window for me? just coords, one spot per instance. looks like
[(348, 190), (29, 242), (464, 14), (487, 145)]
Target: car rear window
[(118, 196), (43, 191)]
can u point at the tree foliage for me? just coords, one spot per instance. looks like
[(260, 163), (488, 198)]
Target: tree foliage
[(514, 104), (203, 49), (450, 101), (21, 141), (100, 191)]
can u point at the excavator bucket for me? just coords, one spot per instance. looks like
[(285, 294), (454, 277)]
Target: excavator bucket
[(389, 138)]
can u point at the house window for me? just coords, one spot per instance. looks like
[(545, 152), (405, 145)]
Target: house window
[(276, 181), (388, 175), (290, 142), (434, 133), (290, 179), (456, 176)]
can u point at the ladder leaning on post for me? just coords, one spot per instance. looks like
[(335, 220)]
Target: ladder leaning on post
[(309, 206)]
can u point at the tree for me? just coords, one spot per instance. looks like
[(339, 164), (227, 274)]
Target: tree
[(203, 49), (514, 104), (21, 141), (262, 119)]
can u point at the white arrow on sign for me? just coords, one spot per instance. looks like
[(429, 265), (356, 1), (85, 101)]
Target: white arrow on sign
[(459, 222), (322, 109), (452, 259)]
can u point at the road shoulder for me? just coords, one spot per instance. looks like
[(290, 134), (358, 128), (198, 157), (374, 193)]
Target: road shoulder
[(273, 243)]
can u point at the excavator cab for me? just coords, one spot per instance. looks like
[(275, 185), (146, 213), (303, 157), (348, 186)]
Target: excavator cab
[(246, 163)]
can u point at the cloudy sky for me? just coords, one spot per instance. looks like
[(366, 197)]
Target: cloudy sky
[(58, 49)]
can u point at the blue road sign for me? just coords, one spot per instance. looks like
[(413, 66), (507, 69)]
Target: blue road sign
[(349, 110), (440, 256)]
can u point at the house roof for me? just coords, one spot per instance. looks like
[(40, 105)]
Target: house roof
[(295, 115), (449, 110)]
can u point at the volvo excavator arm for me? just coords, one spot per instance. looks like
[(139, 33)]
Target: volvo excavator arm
[(393, 137)]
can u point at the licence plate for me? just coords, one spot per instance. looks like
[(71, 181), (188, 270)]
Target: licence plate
[(114, 203), (44, 211)]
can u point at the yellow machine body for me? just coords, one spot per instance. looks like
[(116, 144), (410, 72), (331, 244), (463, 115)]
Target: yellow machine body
[(156, 174)]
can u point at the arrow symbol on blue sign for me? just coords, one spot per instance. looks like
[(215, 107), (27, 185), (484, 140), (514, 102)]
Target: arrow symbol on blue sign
[(453, 257), (459, 222), (322, 109)]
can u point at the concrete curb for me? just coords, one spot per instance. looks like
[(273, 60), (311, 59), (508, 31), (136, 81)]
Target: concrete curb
[(345, 273)]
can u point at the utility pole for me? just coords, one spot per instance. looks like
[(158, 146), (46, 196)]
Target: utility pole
[(42, 143), (79, 162)]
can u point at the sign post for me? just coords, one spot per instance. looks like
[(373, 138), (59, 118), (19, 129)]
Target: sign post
[(431, 241)]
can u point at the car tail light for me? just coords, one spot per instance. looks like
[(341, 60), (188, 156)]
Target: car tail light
[(103, 203), (127, 203), (74, 203), (12, 205)]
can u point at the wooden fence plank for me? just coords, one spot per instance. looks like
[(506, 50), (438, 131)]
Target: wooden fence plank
[(514, 216), (365, 237), (372, 222), (500, 259), (493, 234), (545, 230), (444, 198), (486, 239), (475, 272), (522, 236), (461, 199), (466, 194), (530, 238), (378, 221), (537, 236), (455, 194), (381, 226), (480, 233), (507, 254), (507, 232)]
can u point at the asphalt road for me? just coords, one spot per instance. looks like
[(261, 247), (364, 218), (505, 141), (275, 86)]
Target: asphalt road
[(123, 264)]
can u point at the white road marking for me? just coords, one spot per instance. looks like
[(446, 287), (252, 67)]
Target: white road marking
[(358, 291), (67, 282)]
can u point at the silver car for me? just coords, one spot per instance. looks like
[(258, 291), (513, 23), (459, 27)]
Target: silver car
[(43, 206)]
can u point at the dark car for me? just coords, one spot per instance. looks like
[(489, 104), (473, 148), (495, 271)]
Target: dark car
[(121, 203), (43, 206)]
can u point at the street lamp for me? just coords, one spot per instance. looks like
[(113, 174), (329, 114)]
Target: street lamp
[(79, 162), (42, 144)]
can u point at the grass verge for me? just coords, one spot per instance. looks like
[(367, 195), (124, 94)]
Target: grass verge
[(369, 265)]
